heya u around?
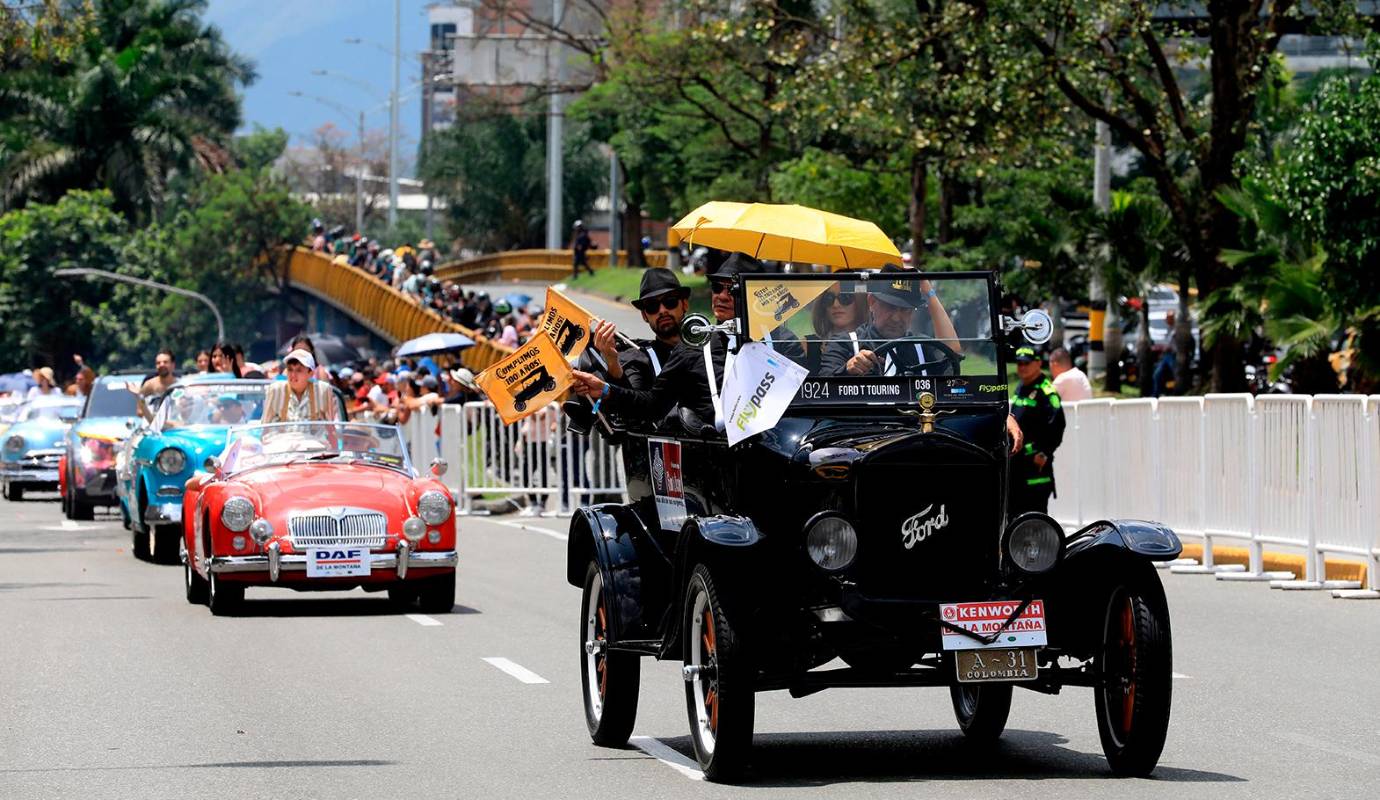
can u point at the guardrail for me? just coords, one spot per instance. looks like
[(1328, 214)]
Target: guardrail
[(531, 463), (1291, 472), (395, 316), (533, 265)]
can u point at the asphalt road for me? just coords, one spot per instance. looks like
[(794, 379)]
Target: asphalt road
[(111, 685)]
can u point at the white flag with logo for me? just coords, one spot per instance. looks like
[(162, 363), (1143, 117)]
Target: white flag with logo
[(757, 389)]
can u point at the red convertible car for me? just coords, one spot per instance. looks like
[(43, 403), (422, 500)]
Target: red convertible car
[(318, 506)]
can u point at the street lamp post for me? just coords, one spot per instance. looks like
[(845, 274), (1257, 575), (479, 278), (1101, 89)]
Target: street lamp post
[(115, 276)]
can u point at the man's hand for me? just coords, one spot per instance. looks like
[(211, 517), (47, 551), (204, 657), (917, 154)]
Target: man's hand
[(587, 385), (76, 358), (605, 334), (865, 362), (1017, 438)]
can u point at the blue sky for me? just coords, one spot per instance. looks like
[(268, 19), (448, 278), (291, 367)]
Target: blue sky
[(287, 39)]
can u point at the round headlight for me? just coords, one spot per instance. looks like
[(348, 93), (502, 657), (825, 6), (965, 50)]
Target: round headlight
[(171, 461), (15, 444), (261, 530), (237, 514), (414, 528), (1034, 542), (433, 507), (831, 542)]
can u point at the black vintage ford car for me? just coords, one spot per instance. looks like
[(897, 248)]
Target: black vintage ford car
[(868, 526)]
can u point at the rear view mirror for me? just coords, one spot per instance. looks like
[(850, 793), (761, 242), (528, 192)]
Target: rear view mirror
[(439, 466), (1035, 325)]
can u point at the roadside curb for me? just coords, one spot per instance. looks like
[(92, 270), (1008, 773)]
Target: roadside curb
[(1337, 569)]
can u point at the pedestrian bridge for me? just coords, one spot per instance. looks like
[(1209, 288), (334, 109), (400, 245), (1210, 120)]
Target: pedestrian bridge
[(532, 265), (390, 314)]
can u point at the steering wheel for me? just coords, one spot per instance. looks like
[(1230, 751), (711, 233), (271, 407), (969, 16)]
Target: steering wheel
[(951, 357)]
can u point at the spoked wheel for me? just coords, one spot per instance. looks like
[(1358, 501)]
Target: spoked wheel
[(981, 709), (224, 598), (197, 590), (718, 682), (609, 680), (1137, 680)]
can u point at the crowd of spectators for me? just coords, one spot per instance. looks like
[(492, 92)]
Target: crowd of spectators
[(411, 269)]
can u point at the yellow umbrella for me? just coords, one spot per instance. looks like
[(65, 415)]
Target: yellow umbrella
[(787, 233)]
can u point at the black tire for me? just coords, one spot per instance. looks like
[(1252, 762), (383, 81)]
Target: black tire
[(1136, 663), (163, 543), (981, 710), (437, 595), (67, 502), (402, 594), (609, 682), (140, 544), (720, 700), (80, 510), (519, 405), (16, 493), (198, 591), (549, 385), (223, 598)]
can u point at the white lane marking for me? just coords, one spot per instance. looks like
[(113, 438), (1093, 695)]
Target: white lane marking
[(1180, 675), (423, 620), (1328, 747), (532, 529), (666, 755), (516, 670), (68, 526)]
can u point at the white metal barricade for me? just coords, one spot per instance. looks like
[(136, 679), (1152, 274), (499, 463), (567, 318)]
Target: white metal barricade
[(1068, 471), (1285, 473), (1133, 477), (1344, 481), (1098, 454), (1178, 442), (594, 469), (1228, 472)]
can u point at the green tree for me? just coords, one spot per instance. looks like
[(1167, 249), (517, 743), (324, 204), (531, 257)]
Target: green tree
[(42, 319), (148, 90), (491, 168), (1330, 184), (1134, 252), (1179, 83)]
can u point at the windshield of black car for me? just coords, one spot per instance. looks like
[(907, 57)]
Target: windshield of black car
[(111, 399)]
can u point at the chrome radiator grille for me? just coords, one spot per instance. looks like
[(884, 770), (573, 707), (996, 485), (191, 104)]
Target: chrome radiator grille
[(338, 527)]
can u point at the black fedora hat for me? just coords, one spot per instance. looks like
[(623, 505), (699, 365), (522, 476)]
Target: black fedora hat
[(738, 264), (896, 286)]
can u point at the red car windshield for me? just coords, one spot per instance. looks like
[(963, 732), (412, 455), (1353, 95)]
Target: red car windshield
[(287, 442)]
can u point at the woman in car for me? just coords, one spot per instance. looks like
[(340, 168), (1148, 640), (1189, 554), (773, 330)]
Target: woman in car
[(836, 314)]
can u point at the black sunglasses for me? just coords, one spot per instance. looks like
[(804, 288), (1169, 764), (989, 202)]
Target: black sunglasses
[(650, 305), (843, 299), (719, 287)]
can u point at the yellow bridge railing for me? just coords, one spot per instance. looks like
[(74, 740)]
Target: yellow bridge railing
[(393, 315), (532, 265)]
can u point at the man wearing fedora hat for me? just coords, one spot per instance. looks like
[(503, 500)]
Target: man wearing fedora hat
[(893, 298), (692, 377), (662, 301)]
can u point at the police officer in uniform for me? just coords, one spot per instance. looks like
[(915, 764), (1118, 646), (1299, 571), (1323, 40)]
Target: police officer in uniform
[(1038, 411), (693, 376)]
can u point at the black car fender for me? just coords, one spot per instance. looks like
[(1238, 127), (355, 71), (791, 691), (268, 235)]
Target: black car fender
[(607, 535), (1098, 559), (1148, 539), (731, 547)]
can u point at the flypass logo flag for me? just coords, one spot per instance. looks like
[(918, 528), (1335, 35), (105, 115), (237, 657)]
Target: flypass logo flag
[(757, 390), (568, 325), (528, 379)]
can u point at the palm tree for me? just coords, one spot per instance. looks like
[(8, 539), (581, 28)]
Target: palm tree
[(148, 91), (1131, 243)]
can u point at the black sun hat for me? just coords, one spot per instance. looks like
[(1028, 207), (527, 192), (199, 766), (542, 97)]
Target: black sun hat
[(738, 264), (658, 281), (896, 286)]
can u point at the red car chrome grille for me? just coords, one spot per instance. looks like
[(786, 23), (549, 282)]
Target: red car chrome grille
[(331, 527)]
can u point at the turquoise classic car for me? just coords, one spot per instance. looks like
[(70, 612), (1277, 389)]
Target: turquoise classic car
[(158, 458), (33, 445), (93, 443)]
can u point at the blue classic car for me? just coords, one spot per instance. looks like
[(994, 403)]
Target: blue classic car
[(33, 445), (159, 458), (93, 443)]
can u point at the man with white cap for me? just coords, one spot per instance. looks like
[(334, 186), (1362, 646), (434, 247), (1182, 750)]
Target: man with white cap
[(299, 398)]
